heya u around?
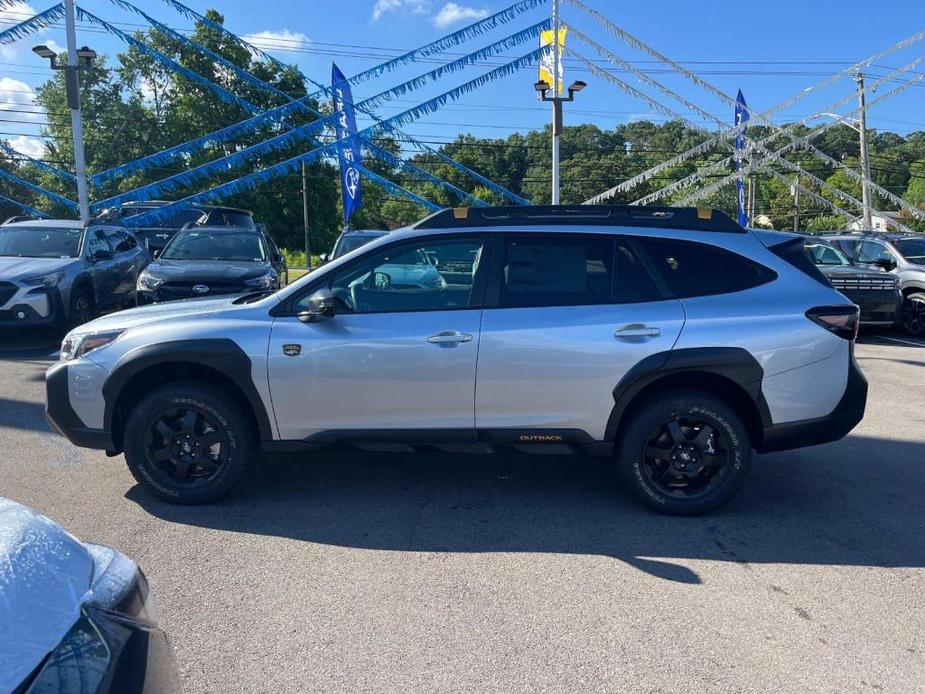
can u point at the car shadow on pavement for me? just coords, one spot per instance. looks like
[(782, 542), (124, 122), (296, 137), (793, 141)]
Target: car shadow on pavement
[(849, 503), (21, 414)]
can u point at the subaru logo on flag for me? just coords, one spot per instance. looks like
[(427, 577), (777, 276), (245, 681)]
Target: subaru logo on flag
[(200, 289)]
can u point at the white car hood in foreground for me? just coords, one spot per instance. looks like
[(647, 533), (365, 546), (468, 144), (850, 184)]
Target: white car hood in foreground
[(145, 315), (45, 572)]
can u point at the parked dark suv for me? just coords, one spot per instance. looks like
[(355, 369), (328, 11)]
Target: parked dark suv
[(205, 261), (901, 254), (156, 235), (874, 291)]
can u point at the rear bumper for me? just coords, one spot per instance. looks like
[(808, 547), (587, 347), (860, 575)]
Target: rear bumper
[(62, 417), (834, 426), (878, 307)]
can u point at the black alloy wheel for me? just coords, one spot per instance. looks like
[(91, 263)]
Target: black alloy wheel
[(81, 307), (187, 445), (913, 318), (685, 457)]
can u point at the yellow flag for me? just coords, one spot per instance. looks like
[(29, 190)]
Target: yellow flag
[(548, 58)]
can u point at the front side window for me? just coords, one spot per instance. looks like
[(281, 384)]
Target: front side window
[(120, 240), (40, 242), (697, 269), (556, 270), (96, 243), (406, 277), (847, 246), (215, 245), (871, 252)]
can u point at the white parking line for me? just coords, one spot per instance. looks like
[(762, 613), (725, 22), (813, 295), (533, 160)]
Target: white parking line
[(904, 342)]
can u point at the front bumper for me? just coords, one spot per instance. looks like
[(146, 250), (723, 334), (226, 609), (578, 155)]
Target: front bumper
[(32, 307), (878, 307), (834, 426), (61, 415)]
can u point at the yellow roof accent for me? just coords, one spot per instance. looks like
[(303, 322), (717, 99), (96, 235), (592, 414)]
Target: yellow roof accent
[(460, 212), (704, 213)]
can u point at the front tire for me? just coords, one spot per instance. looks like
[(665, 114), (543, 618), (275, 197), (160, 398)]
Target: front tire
[(189, 443), (684, 453), (913, 318), (81, 308)]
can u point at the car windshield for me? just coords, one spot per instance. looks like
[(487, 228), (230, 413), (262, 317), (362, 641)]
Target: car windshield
[(40, 242), (217, 245), (913, 250), (824, 254)]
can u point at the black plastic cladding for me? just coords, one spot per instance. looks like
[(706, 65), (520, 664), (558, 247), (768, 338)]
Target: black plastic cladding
[(688, 218)]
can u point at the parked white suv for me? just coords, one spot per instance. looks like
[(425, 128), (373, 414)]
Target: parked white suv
[(669, 339)]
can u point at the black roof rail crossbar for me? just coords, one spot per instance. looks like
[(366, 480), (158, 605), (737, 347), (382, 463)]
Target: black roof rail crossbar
[(694, 218)]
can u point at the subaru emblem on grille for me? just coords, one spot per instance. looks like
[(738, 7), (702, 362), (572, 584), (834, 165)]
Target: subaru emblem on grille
[(201, 288)]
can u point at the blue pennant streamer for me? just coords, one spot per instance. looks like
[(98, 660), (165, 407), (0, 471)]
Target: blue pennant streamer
[(54, 170), (252, 180), (396, 189), (220, 91), (24, 207), (411, 168), (186, 178), (53, 14), (37, 189), (274, 116)]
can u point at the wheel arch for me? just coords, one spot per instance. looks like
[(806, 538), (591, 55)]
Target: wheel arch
[(731, 373), (913, 289), (82, 281), (215, 362)]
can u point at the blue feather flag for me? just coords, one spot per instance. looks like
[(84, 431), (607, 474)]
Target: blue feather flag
[(274, 144), (53, 14), (54, 197), (252, 180), (24, 207)]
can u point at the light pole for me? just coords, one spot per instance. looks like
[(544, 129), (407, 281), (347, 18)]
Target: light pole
[(77, 59), (542, 90)]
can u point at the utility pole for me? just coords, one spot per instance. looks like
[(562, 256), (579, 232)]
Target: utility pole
[(796, 202), (556, 104), (72, 82), (749, 199), (865, 155), (308, 245)]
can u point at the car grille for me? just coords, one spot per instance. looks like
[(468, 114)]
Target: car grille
[(874, 283), (184, 290), (7, 289)]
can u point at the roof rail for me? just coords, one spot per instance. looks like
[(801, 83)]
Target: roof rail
[(695, 218)]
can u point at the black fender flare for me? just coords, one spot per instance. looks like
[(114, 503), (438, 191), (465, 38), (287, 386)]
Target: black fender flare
[(84, 279), (733, 363), (219, 354)]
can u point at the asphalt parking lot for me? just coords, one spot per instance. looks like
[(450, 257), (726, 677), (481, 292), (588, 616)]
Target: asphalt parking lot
[(374, 572)]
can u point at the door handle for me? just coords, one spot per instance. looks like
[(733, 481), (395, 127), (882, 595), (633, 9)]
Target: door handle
[(449, 337), (636, 330)]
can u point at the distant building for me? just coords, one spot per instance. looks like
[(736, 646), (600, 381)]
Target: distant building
[(881, 221)]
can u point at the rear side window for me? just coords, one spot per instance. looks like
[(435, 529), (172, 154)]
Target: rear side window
[(794, 252), (556, 271), (696, 269)]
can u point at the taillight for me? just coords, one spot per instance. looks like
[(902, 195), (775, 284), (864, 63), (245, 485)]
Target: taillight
[(841, 320)]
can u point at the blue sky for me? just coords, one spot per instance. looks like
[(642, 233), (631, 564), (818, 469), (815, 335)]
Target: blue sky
[(769, 50)]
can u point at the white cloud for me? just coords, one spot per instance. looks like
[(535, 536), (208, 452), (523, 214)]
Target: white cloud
[(452, 13), (17, 98), (31, 146), (414, 6), (16, 51), (283, 40)]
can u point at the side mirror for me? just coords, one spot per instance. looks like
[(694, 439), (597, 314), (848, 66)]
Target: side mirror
[(320, 307), (885, 263), (382, 280), (278, 258), (155, 253), (324, 257)]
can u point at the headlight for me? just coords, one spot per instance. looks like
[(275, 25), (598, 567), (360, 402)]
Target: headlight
[(118, 584), (44, 280), (74, 347), (149, 282), (267, 280)]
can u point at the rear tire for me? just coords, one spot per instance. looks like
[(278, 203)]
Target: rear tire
[(189, 443), (684, 453), (913, 318)]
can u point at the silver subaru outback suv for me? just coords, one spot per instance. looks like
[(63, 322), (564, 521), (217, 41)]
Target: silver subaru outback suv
[(670, 340)]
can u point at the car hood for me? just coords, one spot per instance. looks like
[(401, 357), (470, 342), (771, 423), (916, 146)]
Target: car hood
[(45, 574), (145, 315), (206, 271), (16, 268)]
